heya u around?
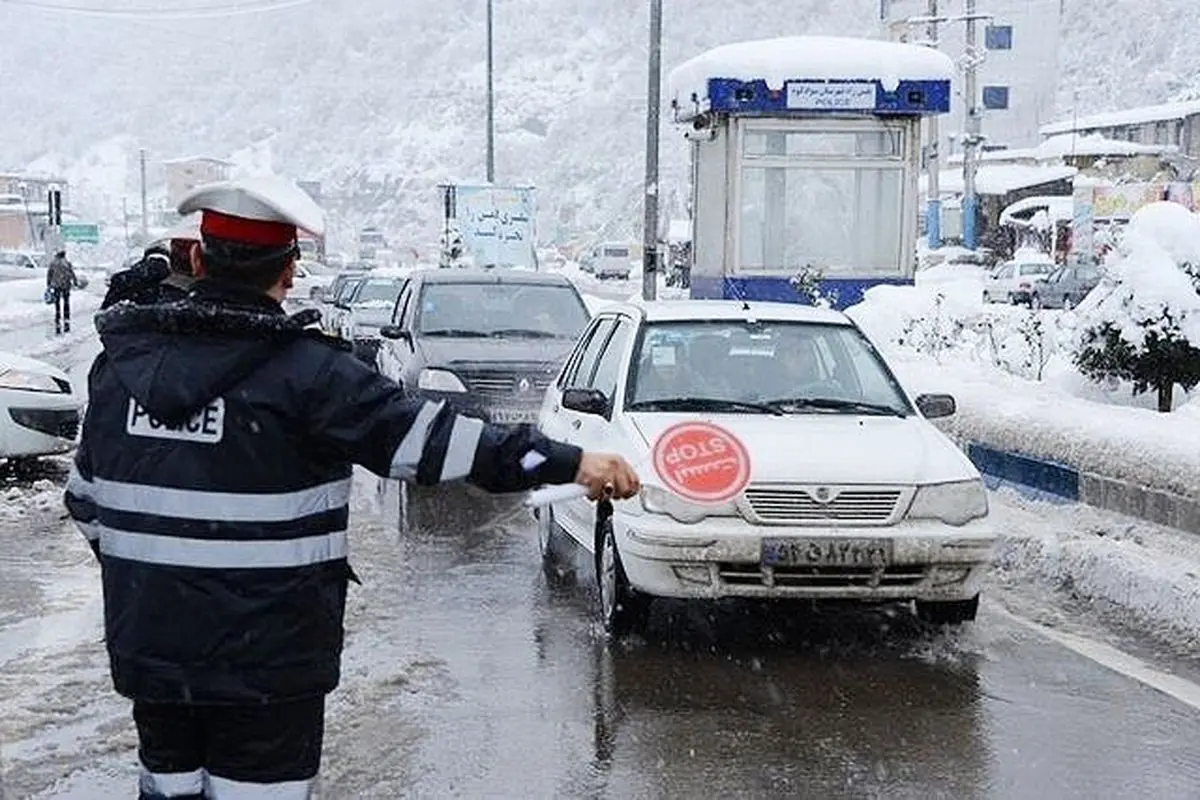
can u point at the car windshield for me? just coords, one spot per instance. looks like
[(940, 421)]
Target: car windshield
[(378, 291), (501, 310), (743, 367)]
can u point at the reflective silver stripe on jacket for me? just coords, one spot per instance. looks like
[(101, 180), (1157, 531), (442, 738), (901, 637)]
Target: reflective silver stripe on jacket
[(176, 551), (225, 789), (460, 454), (408, 453), (172, 784), (201, 505)]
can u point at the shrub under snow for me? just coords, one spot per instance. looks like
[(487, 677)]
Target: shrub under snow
[(1143, 324)]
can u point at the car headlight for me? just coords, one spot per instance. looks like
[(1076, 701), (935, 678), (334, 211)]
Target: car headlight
[(659, 501), (439, 380), (31, 382), (954, 503)]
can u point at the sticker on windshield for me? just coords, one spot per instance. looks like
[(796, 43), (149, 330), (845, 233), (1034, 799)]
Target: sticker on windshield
[(702, 462), (662, 356)]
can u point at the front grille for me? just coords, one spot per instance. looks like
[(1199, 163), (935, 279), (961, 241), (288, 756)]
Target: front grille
[(801, 507), (820, 577), (63, 424), (506, 385)]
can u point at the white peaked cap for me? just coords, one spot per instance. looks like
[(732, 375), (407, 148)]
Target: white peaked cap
[(187, 230), (263, 199)]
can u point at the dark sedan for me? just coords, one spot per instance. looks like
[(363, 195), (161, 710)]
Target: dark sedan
[(1066, 287), (487, 341)]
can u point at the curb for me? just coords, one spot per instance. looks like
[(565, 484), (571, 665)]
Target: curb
[(1061, 483)]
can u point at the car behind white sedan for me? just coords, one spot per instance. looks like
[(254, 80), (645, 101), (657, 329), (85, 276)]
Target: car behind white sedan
[(39, 410), (848, 491)]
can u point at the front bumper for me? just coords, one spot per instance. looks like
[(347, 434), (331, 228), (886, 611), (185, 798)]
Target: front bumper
[(488, 409), (722, 557)]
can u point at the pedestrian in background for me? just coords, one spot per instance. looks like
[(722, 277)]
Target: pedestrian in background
[(60, 279)]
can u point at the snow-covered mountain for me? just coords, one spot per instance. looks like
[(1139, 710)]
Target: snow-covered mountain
[(383, 99)]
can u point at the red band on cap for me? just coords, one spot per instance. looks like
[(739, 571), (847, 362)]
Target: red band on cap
[(259, 233)]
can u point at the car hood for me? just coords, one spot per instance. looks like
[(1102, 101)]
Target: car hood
[(514, 351), (828, 448), (12, 361), (376, 315)]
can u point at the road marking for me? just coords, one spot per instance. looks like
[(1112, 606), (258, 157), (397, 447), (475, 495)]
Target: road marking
[(1116, 660)]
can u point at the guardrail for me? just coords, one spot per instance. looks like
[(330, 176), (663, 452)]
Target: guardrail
[(1064, 483)]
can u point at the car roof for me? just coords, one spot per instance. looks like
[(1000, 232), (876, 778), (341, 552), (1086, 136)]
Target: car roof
[(685, 310), (500, 275)]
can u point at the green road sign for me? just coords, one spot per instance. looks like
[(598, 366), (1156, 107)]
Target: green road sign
[(80, 232)]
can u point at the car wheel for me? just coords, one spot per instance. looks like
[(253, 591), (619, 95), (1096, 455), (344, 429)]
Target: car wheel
[(1012, 299), (952, 612), (623, 610), (552, 548), (1068, 302)]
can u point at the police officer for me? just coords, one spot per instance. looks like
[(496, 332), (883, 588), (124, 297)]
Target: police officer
[(212, 480), (165, 272)]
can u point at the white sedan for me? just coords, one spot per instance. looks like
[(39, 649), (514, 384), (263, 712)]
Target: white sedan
[(780, 459), (39, 410)]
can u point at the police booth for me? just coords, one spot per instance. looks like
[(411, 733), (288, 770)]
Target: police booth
[(806, 155)]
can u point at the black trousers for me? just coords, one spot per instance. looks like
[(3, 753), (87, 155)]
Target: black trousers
[(196, 751), (62, 309)]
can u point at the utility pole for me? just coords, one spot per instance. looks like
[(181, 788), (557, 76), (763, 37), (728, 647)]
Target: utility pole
[(145, 211), (933, 212), (974, 125), (653, 105), (491, 97)]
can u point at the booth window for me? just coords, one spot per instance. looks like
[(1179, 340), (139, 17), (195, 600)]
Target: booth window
[(826, 200), (998, 37)]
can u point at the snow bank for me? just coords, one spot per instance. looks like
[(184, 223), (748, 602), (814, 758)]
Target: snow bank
[(939, 337), (813, 57), (22, 303)]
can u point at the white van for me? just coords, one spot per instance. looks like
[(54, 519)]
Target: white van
[(612, 260)]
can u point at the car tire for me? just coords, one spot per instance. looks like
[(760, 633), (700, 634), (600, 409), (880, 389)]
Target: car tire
[(1068, 303), (951, 612), (623, 609), (552, 547)]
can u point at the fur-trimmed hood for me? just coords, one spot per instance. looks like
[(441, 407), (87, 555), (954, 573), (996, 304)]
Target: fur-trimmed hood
[(174, 358)]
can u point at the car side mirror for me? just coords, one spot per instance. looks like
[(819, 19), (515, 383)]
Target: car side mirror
[(937, 406), (586, 401), (394, 332)]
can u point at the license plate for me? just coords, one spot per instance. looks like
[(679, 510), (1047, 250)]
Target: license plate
[(832, 552), (513, 416)]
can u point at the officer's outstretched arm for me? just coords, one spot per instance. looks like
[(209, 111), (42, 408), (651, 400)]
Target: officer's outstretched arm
[(367, 419)]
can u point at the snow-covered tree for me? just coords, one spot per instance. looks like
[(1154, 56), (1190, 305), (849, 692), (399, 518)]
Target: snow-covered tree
[(1143, 324)]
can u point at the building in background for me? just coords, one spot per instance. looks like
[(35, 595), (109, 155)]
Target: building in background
[(185, 174), (1017, 80), (1169, 125), (24, 212)]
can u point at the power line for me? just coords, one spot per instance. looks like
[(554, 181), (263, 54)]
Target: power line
[(193, 12)]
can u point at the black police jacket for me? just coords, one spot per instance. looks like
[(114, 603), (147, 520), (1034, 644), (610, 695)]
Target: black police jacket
[(213, 478)]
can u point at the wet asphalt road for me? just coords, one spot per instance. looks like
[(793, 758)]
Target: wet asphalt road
[(518, 694)]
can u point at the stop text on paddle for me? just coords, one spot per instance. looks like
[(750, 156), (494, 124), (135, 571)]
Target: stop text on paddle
[(702, 462)]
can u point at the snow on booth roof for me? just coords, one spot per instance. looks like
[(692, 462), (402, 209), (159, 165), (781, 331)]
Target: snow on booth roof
[(814, 58)]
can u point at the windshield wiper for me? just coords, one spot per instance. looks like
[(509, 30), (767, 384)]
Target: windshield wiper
[(456, 332), (702, 404), (528, 333), (836, 404)]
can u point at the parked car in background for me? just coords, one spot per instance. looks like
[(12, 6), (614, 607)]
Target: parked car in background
[(335, 301), (39, 409), (311, 280), (1066, 287), (878, 505), (368, 310), (612, 261), (1015, 281)]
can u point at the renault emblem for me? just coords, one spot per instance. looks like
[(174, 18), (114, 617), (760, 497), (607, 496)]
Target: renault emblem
[(523, 385)]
